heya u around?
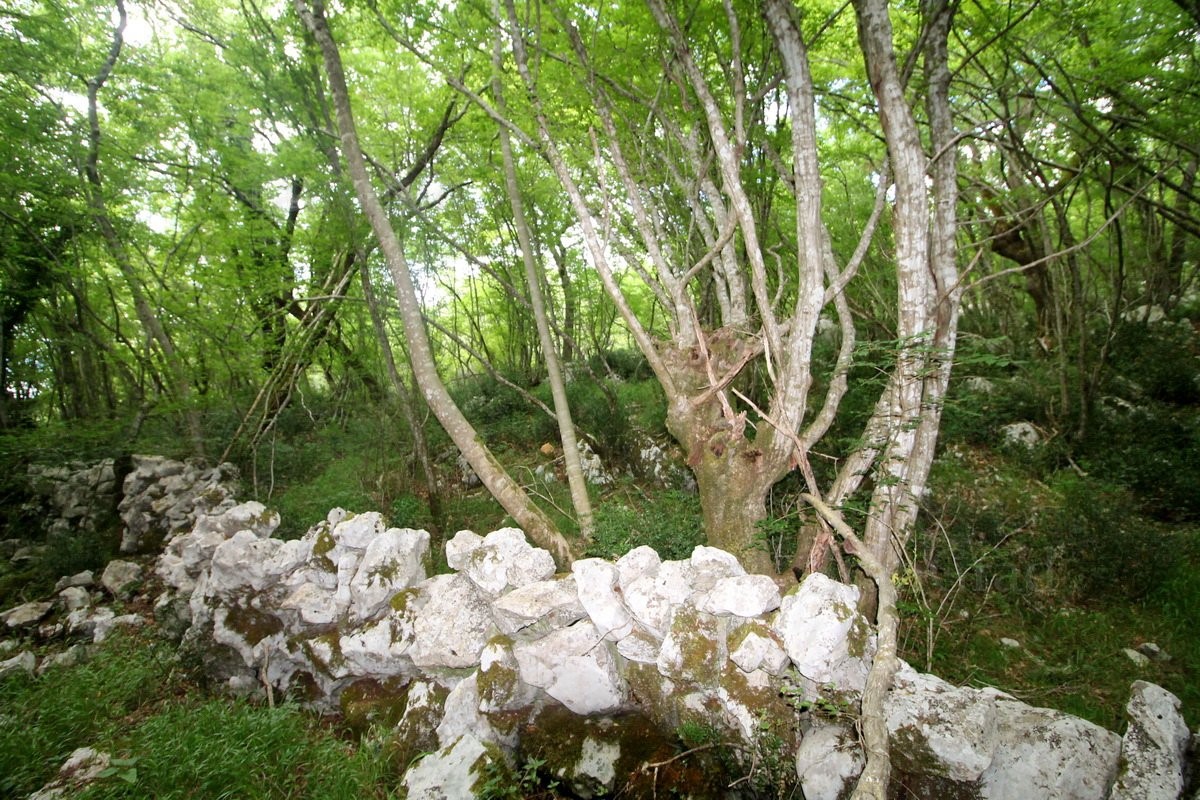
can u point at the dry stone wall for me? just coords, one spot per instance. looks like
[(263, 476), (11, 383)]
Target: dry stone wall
[(600, 671)]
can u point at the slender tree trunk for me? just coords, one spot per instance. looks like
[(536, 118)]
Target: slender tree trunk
[(533, 279), (180, 384), (506, 491), (404, 400)]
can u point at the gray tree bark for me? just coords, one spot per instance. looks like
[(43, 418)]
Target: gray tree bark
[(506, 491)]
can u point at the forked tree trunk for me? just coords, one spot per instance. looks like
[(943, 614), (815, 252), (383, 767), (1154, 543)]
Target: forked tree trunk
[(506, 491)]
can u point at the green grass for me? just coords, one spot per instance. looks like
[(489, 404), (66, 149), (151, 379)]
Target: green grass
[(133, 701), (1067, 567)]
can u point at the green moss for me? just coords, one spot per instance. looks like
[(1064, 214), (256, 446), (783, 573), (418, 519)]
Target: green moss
[(699, 637), (251, 624), (335, 659), (416, 732), (367, 703), (859, 637), (385, 572), (322, 546), (920, 772), (400, 600)]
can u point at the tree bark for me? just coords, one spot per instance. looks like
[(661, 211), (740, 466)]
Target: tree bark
[(404, 400), (180, 384), (506, 491), (533, 279)]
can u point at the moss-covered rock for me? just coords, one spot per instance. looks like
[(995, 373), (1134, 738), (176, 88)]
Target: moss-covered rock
[(367, 703)]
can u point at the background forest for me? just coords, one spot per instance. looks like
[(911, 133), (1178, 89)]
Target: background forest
[(937, 278)]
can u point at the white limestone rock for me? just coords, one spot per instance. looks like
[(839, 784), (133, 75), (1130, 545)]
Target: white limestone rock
[(460, 547), (711, 565), (1044, 753), (23, 661), (823, 633), (535, 609), (453, 626), (120, 577), (742, 596), (83, 622), (394, 560), (956, 725), (653, 597), (637, 562), (595, 772), (503, 561), (1021, 434), (104, 626), (356, 531), (500, 686), (694, 649), (310, 604), (640, 647), (81, 768), (828, 762), (461, 716), (73, 597), (71, 657), (26, 615), (596, 580), (83, 580), (574, 667), (755, 646), (379, 649), (1154, 747), (243, 564), (451, 773)]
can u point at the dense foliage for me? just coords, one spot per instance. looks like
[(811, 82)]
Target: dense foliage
[(186, 268)]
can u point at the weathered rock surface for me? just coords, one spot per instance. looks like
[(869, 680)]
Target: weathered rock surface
[(828, 762), (24, 661), (73, 497), (610, 659), (828, 641), (81, 768), (121, 577), (1154, 746), (452, 773), (163, 498), (1045, 753), (26, 615)]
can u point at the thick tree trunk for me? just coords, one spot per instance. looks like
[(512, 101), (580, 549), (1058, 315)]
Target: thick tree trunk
[(506, 491)]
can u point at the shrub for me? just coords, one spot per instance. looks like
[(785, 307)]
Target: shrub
[(670, 523), (1110, 551)]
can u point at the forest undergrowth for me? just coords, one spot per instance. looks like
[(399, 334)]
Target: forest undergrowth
[(1033, 569)]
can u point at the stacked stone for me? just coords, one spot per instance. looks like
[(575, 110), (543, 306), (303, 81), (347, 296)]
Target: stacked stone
[(73, 497), (469, 664), (162, 498)]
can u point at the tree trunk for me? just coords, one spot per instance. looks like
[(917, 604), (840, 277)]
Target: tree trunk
[(404, 400), (506, 491), (533, 279), (179, 382)]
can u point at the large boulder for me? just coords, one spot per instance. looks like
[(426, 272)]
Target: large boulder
[(1044, 753)]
